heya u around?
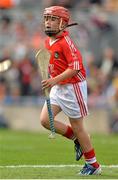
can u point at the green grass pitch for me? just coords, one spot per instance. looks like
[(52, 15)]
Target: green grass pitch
[(23, 155)]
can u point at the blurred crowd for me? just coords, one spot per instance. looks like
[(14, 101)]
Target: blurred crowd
[(21, 35)]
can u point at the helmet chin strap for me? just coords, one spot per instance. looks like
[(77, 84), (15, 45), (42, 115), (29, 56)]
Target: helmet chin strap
[(51, 33)]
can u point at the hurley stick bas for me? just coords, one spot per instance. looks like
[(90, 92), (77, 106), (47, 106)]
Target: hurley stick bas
[(42, 57)]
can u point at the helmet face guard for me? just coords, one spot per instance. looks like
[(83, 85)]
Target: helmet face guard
[(52, 32), (57, 12)]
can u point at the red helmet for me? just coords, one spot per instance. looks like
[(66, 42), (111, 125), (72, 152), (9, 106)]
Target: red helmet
[(57, 11)]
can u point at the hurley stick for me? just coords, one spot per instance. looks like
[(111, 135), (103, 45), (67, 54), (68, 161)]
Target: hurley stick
[(43, 57)]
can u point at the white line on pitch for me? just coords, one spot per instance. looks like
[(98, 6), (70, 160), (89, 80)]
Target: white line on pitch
[(52, 166)]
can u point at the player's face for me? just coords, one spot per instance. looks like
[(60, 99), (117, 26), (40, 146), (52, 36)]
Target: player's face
[(51, 23)]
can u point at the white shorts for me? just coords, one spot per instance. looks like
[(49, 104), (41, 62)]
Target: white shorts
[(71, 98)]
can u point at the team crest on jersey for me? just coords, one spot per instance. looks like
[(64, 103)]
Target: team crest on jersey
[(56, 55)]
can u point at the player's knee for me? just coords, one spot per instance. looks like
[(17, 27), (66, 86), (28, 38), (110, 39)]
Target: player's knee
[(79, 130), (44, 122)]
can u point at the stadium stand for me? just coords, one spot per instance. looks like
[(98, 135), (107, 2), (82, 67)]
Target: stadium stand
[(21, 36)]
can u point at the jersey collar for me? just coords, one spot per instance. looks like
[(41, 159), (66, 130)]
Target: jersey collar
[(64, 33)]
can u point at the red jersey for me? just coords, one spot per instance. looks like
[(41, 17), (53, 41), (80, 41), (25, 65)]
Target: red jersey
[(65, 55)]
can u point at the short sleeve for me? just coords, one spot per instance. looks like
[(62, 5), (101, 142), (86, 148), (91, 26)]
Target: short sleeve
[(72, 54)]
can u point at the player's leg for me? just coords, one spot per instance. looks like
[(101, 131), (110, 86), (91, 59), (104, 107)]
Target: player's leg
[(61, 128), (81, 134), (91, 166)]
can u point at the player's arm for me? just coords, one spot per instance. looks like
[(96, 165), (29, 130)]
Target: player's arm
[(68, 73)]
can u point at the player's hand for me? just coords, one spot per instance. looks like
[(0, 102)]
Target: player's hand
[(48, 83)]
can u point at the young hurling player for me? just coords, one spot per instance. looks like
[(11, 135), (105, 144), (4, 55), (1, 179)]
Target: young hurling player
[(68, 87)]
